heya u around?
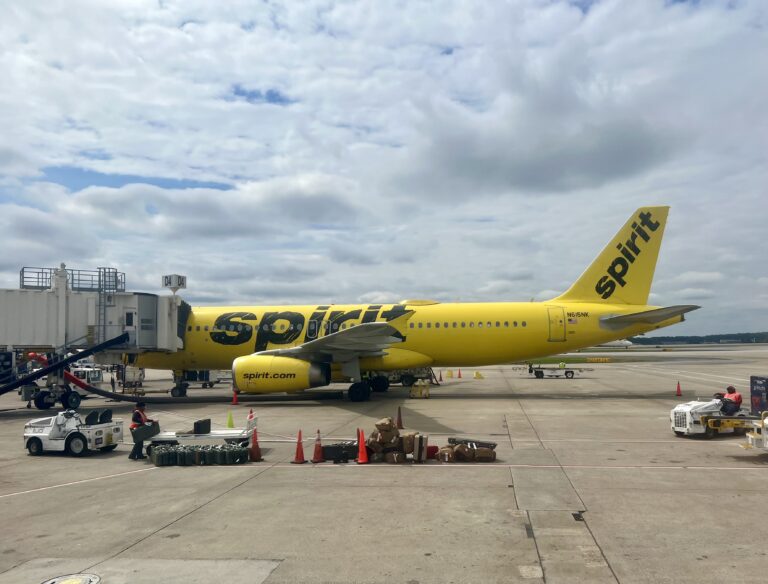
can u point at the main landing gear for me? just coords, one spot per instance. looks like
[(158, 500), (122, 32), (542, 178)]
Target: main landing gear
[(359, 391)]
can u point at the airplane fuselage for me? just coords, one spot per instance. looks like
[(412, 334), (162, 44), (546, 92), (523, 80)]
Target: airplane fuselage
[(436, 334)]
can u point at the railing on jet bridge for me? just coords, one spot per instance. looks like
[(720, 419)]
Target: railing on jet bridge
[(31, 278)]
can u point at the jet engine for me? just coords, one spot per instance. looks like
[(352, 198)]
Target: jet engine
[(274, 374)]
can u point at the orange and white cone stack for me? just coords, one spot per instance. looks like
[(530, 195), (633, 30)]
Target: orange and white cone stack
[(250, 415), (678, 393), (234, 399), (318, 455), (459, 375), (299, 458)]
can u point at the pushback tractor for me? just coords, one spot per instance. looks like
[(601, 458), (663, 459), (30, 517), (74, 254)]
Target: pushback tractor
[(68, 432)]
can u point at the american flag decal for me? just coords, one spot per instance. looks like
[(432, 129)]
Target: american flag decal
[(573, 320)]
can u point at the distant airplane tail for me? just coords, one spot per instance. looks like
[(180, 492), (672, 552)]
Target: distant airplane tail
[(623, 272)]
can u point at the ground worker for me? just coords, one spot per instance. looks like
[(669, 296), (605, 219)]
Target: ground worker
[(731, 401), (139, 419)]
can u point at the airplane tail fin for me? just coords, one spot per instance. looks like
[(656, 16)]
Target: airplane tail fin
[(623, 272)]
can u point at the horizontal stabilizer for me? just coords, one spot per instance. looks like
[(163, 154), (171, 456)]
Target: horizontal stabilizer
[(646, 317)]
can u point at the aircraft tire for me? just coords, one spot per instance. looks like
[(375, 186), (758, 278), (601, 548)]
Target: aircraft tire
[(407, 380), (538, 374), (40, 400), (359, 392), (71, 400), (178, 392), (379, 383), (569, 374), (109, 448), (678, 433)]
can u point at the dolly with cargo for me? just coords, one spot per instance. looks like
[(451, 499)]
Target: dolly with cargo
[(68, 432), (202, 433)]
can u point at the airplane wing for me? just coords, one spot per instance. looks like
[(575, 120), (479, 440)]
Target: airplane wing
[(362, 340), (647, 316)]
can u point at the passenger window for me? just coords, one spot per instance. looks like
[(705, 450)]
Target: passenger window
[(206, 328), (515, 323), (437, 325), (429, 325), (299, 327), (471, 325), (523, 323), (489, 324), (197, 328), (282, 327), (420, 325), (480, 324), (455, 324), (463, 325), (445, 324), (506, 323), (189, 328), (411, 324), (265, 327)]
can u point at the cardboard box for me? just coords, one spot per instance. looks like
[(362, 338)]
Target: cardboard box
[(408, 441), (385, 424), (394, 457), (485, 455), (464, 453), (388, 437), (445, 454)]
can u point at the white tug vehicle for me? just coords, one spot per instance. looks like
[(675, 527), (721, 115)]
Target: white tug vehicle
[(706, 418), (68, 432)]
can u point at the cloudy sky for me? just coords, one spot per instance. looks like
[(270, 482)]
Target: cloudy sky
[(323, 151)]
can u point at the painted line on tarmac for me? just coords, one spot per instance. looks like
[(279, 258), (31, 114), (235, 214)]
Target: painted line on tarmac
[(689, 374), (120, 474)]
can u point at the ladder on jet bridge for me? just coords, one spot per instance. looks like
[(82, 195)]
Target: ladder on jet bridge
[(26, 379)]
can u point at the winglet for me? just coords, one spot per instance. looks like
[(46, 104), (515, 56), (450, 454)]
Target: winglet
[(623, 272)]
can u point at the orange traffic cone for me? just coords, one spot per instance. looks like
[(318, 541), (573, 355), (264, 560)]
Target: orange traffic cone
[(250, 415), (441, 376), (255, 452), (459, 375), (299, 458), (234, 399), (679, 393), (318, 455), (399, 423), (362, 450)]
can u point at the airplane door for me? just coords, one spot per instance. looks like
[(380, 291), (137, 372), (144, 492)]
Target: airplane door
[(312, 330), (556, 324)]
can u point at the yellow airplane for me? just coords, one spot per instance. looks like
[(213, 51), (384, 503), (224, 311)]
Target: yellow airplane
[(293, 348)]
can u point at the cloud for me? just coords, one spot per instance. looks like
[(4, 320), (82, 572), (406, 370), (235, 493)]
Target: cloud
[(341, 152)]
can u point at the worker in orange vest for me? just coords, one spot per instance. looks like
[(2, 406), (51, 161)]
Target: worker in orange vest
[(731, 401), (139, 418)]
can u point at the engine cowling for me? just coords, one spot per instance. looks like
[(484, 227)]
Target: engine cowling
[(275, 374)]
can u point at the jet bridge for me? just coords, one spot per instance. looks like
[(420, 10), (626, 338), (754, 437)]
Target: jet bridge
[(63, 310), (78, 313)]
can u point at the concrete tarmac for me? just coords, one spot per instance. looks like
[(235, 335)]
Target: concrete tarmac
[(590, 486)]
